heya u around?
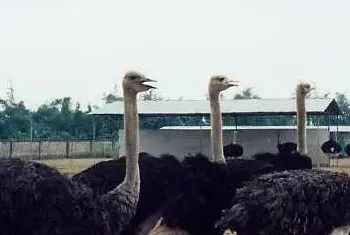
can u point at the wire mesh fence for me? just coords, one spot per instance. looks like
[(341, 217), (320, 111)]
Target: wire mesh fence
[(41, 149)]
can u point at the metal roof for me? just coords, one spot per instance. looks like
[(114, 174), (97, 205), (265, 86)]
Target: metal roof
[(331, 128), (242, 107), (240, 127)]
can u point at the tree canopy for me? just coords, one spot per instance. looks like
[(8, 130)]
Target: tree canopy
[(63, 119)]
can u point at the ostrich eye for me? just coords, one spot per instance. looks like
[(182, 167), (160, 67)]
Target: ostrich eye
[(221, 79)]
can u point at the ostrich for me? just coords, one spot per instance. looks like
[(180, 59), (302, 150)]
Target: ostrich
[(290, 202), (302, 90), (160, 177), (207, 187), (306, 201), (37, 199), (291, 155), (233, 149), (331, 147)]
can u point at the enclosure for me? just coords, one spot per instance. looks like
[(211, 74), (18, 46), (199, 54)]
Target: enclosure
[(182, 127)]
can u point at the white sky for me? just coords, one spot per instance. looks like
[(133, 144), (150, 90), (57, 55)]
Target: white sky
[(80, 48)]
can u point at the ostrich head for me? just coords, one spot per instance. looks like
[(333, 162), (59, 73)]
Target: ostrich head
[(220, 83), (304, 89), (135, 81)]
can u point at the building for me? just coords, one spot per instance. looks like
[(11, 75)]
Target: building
[(181, 140)]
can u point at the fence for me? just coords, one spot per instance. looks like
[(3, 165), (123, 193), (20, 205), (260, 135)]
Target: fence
[(56, 149)]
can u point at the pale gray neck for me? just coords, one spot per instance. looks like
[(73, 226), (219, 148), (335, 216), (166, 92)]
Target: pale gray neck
[(216, 129), (131, 139), (301, 122)]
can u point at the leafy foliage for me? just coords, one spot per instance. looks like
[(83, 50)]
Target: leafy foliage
[(246, 94), (62, 119)]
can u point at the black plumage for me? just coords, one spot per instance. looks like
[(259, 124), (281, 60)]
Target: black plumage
[(331, 146), (36, 199), (233, 150), (163, 179), (242, 170), (285, 161), (287, 147), (290, 202), (204, 191), (160, 178)]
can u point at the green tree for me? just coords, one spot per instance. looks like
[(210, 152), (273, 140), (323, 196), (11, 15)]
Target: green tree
[(343, 102), (112, 96), (246, 94), (14, 117)]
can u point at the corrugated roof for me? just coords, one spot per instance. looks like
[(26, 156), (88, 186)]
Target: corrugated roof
[(331, 128), (238, 107), (240, 127)]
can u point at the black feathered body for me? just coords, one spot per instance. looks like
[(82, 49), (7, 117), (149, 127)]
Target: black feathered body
[(165, 182), (204, 192), (290, 202), (331, 147), (242, 170), (287, 147), (159, 181), (233, 150), (37, 200), (285, 161)]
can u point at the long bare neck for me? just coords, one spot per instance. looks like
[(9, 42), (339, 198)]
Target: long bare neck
[(216, 129), (301, 122), (131, 139)]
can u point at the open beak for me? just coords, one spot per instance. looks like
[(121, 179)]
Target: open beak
[(232, 82), (311, 90), (148, 80)]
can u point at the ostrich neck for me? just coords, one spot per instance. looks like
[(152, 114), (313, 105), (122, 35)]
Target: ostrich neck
[(131, 139), (301, 122), (216, 129)]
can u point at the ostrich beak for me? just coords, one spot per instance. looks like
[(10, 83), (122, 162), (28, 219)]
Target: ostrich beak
[(148, 80), (232, 82)]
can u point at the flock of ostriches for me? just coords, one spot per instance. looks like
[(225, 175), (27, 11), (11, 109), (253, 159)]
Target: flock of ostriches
[(143, 194)]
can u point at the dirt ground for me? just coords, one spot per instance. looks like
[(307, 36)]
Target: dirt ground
[(340, 165), (72, 166)]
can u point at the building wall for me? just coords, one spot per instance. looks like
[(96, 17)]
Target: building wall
[(182, 142)]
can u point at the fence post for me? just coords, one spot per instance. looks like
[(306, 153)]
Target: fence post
[(103, 149), (39, 149), (11, 148), (114, 147), (90, 147), (67, 148)]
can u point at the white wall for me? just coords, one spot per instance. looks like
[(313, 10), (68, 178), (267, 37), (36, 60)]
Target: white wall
[(182, 142)]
